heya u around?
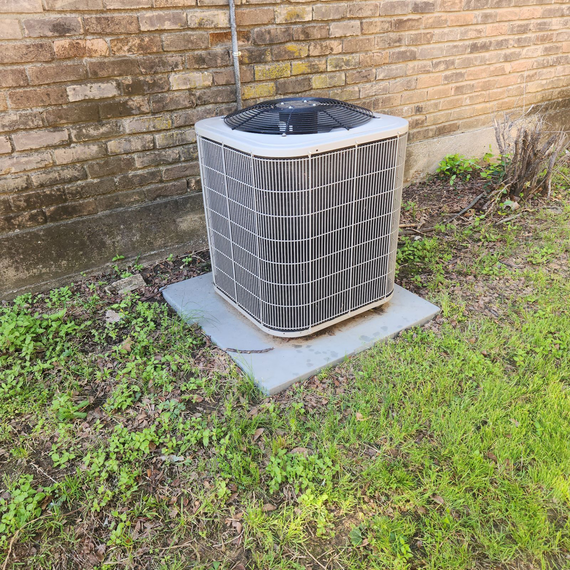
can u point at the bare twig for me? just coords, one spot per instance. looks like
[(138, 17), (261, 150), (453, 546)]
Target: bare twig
[(16, 534), (529, 153)]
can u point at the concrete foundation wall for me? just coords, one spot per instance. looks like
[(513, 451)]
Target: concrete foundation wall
[(98, 99)]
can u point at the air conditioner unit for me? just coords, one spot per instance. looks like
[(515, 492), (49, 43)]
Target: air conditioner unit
[(302, 200)]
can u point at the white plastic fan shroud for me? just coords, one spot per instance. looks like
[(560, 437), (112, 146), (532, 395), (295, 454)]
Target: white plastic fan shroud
[(300, 245), (292, 145)]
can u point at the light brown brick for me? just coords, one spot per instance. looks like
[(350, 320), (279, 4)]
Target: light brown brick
[(127, 107), (68, 114), (146, 124), (52, 27), (408, 54), (358, 44), (209, 59), (67, 49), (138, 179), (174, 3), (10, 29), (14, 184), (132, 45), (32, 140), (183, 170), (157, 157), (41, 97), (170, 101), (223, 77), (20, 6), (162, 21), (26, 53), (329, 11), (5, 146), (338, 62), (373, 90), (216, 95), (111, 24), (131, 144), (310, 32), (13, 77), (56, 73), (308, 66), (225, 37), (161, 64), (346, 28), (145, 85), (272, 71), (79, 153), (175, 138), (293, 85), (258, 90), (74, 5), (54, 176), (255, 16), (375, 26), (325, 47), (208, 19), (184, 41), (289, 51), (363, 9), (92, 91), (360, 76), (191, 80), (328, 80), (391, 8), (286, 14), (111, 166), (24, 162), (115, 67), (127, 4)]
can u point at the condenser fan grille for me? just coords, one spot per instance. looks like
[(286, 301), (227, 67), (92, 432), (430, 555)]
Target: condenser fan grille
[(298, 116)]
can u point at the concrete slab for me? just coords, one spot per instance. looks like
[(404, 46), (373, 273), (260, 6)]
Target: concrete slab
[(285, 361)]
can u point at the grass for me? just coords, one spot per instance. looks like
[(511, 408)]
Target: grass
[(137, 444)]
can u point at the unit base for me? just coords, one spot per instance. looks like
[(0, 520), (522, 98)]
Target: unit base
[(304, 332), (276, 363)]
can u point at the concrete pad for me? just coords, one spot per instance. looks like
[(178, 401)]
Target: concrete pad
[(285, 361)]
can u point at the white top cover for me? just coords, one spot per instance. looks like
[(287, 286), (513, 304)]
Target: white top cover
[(286, 146)]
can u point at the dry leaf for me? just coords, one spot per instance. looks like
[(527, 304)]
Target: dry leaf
[(100, 552), (112, 317), (257, 433), (359, 417), (438, 499), (268, 507), (301, 451)]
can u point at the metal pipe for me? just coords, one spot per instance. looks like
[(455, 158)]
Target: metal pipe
[(235, 52)]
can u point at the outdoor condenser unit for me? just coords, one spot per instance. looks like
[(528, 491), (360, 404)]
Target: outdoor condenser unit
[(302, 199)]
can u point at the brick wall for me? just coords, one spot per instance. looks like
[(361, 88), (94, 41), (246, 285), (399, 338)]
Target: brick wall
[(98, 98)]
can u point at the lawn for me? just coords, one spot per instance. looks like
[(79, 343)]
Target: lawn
[(128, 441)]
